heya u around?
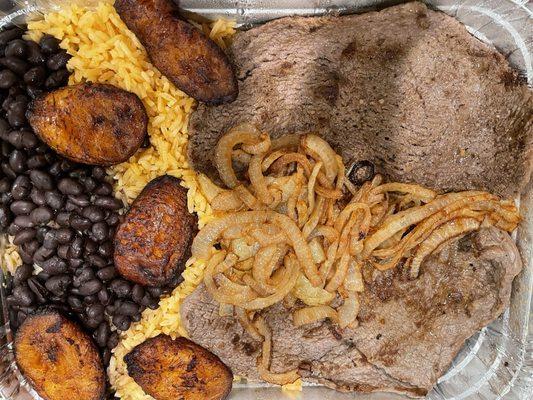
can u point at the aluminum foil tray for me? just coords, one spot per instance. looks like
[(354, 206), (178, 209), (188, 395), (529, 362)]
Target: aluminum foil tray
[(495, 363)]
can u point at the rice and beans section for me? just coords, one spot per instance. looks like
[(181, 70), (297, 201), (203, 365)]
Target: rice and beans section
[(286, 224)]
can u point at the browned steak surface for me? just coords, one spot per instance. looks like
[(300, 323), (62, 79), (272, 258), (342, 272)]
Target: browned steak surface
[(407, 88), (409, 330)]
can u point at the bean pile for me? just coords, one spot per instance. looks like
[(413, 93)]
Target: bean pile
[(62, 215)]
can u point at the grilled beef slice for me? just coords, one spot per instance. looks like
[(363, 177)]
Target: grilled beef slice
[(409, 330), (407, 88)]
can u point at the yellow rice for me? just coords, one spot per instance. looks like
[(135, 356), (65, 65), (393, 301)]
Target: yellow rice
[(104, 50)]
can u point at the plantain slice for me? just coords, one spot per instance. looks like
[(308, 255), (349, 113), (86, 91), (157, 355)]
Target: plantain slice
[(193, 62), (169, 369), (153, 242), (58, 358), (90, 123)]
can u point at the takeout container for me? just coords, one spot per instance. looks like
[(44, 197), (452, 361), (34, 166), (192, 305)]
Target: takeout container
[(495, 363)]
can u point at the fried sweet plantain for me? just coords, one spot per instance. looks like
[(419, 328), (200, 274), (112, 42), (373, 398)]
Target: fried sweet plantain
[(90, 123), (153, 242), (193, 62), (169, 369), (58, 358)]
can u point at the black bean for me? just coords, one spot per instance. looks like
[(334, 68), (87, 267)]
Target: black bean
[(42, 215), (10, 34), (16, 48), (85, 274), (58, 61), (35, 56), (72, 207), (66, 165), (36, 161), (54, 199), (136, 317), (81, 200), (54, 265), (15, 139), (6, 169), (30, 248), (33, 91), (21, 187), (37, 197), (76, 247), (89, 183), (108, 202), (104, 189), (22, 207), (25, 256), (79, 223), (95, 311), (113, 219), (24, 221), (42, 276), (35, 76), (104, 296), (106, 249), (62, 252), (13, 229), (75, 262), (64, 235), (137, 293), (16, 115), (24, 235), (153, 305), (100, 231), (29, 140), (120, 287), (101, 335), (98, 173), (23, 296), (40, 291), (113, 340), (55, 168), (155, 291), (122, 322), (17, 161), (127, 308), (96, 260), (58, 284), (5, 185), (63, 218), (41, 232), (90, 287), (6, 198), (15, 64), (75, 303), (49, 44), (4, 129), (5, 217), (90, 246), (50, 241), (57, 79), (93, 213), (22, 274), (70, 186), (41, 180), (107, 273), (7, 79)]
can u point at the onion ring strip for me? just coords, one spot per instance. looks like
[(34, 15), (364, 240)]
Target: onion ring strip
[(440, 235)]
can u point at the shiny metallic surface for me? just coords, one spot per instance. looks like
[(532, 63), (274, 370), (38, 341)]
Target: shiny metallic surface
[(497, 362)]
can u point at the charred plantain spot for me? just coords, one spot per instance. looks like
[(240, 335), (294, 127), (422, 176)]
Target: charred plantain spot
[(192, 364), (54, 328), (98, 120), (51, 352)]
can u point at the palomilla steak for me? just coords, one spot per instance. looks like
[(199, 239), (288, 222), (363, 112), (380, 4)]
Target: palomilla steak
[(407, 88), (409, 330)]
